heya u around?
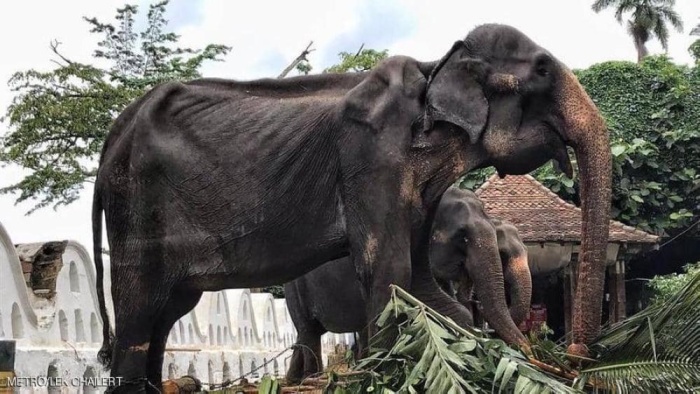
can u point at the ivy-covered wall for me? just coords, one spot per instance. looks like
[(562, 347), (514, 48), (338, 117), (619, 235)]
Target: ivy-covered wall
[(653, 113)]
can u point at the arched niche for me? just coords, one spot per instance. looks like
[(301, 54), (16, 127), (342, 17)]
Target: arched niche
[(192, 371), (227, 371), (52, 374), (79, 326), (63, 325), (17, 323), (2, 327), (94, 329), (210, 368), (74, 278), (173, 336)]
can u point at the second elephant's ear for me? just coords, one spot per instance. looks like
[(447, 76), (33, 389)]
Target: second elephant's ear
[(455, 95)]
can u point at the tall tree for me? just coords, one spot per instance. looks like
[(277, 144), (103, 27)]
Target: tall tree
[(59, 119), (649, 19), (363, 60), (695, 46)]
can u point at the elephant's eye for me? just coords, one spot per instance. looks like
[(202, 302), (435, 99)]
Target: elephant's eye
[(542, 65)]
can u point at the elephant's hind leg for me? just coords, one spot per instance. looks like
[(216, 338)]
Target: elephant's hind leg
[(179, 304), (136, 311), (306, 357), (313, 359)]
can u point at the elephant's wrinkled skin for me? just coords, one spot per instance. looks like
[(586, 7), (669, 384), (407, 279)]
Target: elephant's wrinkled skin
[(215, 184), (466, 246)]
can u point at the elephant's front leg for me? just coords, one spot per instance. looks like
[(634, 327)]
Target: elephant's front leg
[(379, 234)]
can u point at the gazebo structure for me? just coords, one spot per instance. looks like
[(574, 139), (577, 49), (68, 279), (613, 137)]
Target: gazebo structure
[(551, 229)]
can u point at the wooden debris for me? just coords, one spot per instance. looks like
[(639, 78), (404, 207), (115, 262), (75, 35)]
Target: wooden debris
[(185, 384)]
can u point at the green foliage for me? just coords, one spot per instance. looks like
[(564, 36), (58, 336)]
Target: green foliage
[(418, 350), (655, 350), (304, 67), (474, 179), (58, 119), (269, 385), (277, 291), (694, 48), (654, 121), (363, 60), (665, 286)]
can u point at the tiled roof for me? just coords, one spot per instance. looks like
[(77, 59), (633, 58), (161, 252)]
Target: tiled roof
[(540, 215)]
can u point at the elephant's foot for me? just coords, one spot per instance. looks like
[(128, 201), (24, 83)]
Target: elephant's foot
[(577, 353), (305, 362)]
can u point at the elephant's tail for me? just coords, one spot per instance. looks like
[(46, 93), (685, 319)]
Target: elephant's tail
[(104, 356)]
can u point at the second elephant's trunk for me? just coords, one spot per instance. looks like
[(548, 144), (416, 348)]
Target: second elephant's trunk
[(517, 275), (488, 282)]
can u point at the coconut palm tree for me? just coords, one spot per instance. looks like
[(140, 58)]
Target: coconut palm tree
[(694, 48), (649, 19)]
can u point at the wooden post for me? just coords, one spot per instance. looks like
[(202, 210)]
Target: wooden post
[(571, 272), (612, 293), (566, 289), (618, 296), (7, 365), (618, 289)]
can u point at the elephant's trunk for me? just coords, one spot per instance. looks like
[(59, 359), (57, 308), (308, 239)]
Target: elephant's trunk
[(489, 287), (426, 289), (519, 280), (585, 130)]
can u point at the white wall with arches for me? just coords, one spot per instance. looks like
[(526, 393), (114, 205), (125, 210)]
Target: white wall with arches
[(229, 333)]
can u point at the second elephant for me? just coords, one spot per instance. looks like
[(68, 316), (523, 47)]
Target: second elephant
[(467, 247)]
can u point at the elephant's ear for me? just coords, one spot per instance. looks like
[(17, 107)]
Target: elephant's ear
[(455, 94)]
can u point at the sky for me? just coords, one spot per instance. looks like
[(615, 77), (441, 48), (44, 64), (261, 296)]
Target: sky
[(267, 35)]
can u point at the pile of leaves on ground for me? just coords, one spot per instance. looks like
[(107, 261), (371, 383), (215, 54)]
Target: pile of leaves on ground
[(417, 350)]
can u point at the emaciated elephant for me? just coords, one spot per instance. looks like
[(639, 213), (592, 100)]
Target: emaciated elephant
[(467, 247), (214, 184)]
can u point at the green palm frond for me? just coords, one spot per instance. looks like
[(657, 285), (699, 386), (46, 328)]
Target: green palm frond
[(648, 17), (657, 349), (430, 353)]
